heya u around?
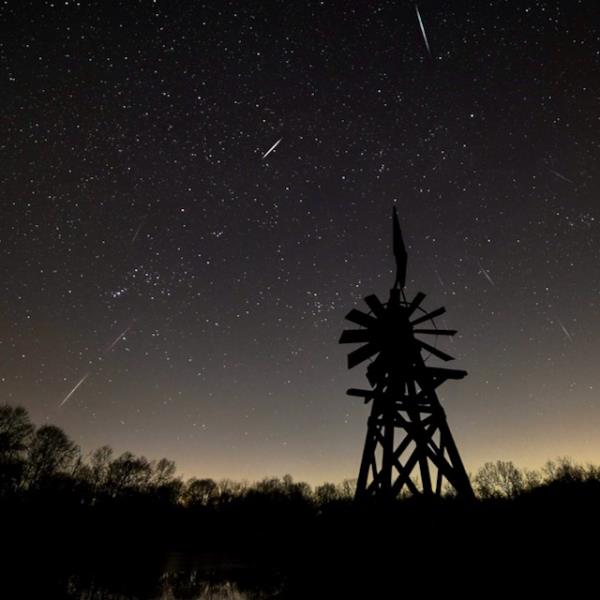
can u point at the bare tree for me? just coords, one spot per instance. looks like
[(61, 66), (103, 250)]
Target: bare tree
[(100, 465), (326, 493), (51, 452), (498, 480), (563, 469), (128, 473), (200, 492), (347, 488), (163, 472), (16, 432)]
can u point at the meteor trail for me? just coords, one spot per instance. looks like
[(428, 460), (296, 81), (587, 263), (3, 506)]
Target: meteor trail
[(74, 389), (423, 31), (138, 229), (560, 175), (272, 148), (487, 275), (117, 339), (105, 351), (565, 331)]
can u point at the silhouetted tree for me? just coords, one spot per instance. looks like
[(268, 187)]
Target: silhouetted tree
[(16, 431), (301, 491), (200, 492), (563, 470), (100, 465), (593, 472), (164, 485), (326, 493), (128, 474), (531, 479), (51, 452), (499, 479), (346, 489), (163, 472), (296, 490), (229, 490), (269, 486)]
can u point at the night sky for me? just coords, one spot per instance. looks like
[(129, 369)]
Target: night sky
[(190, 291)]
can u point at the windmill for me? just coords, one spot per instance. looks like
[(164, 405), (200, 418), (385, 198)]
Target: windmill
[(407, 430)]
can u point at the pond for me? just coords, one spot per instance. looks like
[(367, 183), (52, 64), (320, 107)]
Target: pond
[(172, 576)]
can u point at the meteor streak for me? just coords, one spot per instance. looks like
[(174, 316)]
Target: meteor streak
[(560, 175), (117, 339), (74, 389), (423, 31), (272, 148), (565, 331), (487, 275), (137, 230)]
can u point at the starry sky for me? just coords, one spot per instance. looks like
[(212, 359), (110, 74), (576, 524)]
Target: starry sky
[(171, 287)]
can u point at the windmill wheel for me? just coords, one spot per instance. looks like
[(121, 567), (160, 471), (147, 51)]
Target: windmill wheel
[(388, 325)]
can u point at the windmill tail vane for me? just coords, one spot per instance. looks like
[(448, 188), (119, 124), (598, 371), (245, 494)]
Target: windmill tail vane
[(399, 253), (408, 447)]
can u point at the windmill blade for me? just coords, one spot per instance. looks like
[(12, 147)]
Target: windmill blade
[(356, 336), (357, 356), (366, 394), (435, 351), (436, 331), (375, 371), (361, 318), (375, 305), (360, 393), (415, 302), (431, 315), (440, 372)]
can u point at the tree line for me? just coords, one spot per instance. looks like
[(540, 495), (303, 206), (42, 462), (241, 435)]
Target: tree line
[(40, 460), (112, 520)]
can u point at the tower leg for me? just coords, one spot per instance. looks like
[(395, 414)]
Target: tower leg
[(421, 440), (388, 450), (368, 456), (461, 482)]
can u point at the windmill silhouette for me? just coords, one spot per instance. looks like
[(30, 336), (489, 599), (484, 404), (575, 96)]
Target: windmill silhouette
[(403, 395)]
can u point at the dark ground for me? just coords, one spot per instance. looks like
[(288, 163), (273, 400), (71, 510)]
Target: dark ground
[(545, 539)]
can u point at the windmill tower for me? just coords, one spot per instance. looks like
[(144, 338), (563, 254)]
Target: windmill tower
[(408, 444)]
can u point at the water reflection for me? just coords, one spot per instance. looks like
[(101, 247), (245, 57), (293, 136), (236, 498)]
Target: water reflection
[(190, 590), (206, 590), (187, 577)]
